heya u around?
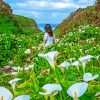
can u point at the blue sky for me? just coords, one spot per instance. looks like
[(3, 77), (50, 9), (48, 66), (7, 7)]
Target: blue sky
[(47, 11)]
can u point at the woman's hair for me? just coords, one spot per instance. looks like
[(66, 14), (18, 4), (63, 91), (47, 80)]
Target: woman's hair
[(48, 29)]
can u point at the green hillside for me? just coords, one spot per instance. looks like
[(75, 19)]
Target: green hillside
[(25, 22), (7, 22), (9, 25), (85, 16), (12, 28), (27, 25)]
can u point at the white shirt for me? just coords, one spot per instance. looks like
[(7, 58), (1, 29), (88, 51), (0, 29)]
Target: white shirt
[(50, 40)]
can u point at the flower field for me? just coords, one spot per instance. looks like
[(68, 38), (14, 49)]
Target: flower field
[(67, 70)]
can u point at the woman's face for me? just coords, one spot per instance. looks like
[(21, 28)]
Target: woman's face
[(48, 30)]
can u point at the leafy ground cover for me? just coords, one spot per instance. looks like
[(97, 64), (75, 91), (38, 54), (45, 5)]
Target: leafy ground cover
[(14, 36), (60, 65)]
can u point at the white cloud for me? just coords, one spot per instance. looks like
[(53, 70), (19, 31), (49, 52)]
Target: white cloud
[(28, 13), (68, 1), (86, 1), (57, 14), (83, 1), (61, 5), (36, 5), (52, 11)]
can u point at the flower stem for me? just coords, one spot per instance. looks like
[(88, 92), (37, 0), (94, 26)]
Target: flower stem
[(46, 97), (76, 97), (51, 97)]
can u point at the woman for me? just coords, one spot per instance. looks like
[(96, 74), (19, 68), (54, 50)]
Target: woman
[(48, 36)]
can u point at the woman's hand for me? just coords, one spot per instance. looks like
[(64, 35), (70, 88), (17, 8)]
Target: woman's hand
[(41, 45)]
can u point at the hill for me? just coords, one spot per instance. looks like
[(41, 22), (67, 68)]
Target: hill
[(15, 32), (7, 22), (25, 22), (85, 16), (5, 8), (28, 25), (14, 23)]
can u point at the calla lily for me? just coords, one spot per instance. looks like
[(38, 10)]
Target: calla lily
[(10, 63), (36, 58), (23, 97), (5, 94), (29, 67), (97, 94), (34, 47), (17, 68), (72, 59), (64, 65), (76, 63), (80, 50), (86, 51), (88, 77), (13, 82), (14, 73), (50, 57), (84, 59), (28, 51), (50, 88), (97, 57), (77, 90)]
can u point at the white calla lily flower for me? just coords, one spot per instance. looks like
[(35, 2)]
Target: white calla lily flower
[(28, 51), (50, 57), (14, 73), (13, 82), (97, 94), (72, 59), (80, 50), (86, 51), (88, 77), (97, 57), (29, 67), (65, 64), (77, 90), (17, 68), (10, 63), (5, 94), (76, 64), (84, 59), (22, 97), (50, 88), (36, 58)]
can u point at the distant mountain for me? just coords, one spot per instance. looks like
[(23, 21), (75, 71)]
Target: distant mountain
[(28, 25), (89, 15), (25, 22)]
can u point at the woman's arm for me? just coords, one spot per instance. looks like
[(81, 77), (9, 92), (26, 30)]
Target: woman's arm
[(44, 41), (41, 45)]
